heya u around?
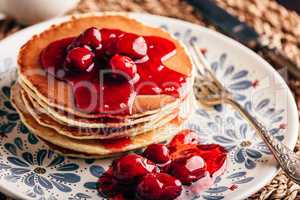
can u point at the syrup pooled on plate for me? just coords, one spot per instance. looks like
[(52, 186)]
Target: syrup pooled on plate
[(107, 68), (164, 171)]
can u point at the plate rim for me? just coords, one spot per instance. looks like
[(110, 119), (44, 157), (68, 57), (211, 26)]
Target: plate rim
[(293, 112)]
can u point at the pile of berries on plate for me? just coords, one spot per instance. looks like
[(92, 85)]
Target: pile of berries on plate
[(162, 170), (117, 48)]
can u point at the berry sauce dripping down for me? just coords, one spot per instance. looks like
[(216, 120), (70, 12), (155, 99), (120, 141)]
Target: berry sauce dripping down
[(107, 68)]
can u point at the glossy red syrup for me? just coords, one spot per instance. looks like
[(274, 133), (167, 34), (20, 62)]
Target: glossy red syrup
[(116, 144), (102, 87), (214, 156), (188, 163)]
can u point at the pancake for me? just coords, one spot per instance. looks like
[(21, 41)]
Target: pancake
[(71, 120), (164, 101), (46, 104), (78, 154), (98, 148), (104, 133), (59, 94), (96, 133), (123, 118)]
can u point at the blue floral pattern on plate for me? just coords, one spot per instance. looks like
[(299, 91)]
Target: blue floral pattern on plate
[(29, 167), (32, 170)]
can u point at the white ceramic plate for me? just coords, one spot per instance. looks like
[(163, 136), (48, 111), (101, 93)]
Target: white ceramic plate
[(29, 170)]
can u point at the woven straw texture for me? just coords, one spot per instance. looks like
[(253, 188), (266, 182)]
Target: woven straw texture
[(277, 25)]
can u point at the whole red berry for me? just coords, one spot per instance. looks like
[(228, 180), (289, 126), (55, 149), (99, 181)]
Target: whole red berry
[(156, 186), (123, 66), (107, 186), (109, 41), (110, 33), (132, 45), (131, 168), (188, 169), (157, 153), (90, 37), (80, 58)]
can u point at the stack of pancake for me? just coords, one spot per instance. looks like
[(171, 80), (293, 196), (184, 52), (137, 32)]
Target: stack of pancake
[(47, 107)]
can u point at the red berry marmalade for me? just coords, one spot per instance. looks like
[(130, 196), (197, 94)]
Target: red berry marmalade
[(190, 166), (95, 87)]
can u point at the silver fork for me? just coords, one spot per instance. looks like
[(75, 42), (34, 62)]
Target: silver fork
[(210, 92)]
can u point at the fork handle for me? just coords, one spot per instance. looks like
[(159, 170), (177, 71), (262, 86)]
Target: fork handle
[(287, 159)]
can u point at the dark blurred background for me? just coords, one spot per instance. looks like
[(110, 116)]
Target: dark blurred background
[(291, 4)]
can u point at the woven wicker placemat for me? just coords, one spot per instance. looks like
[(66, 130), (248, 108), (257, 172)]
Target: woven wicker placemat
[(276, 24)]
